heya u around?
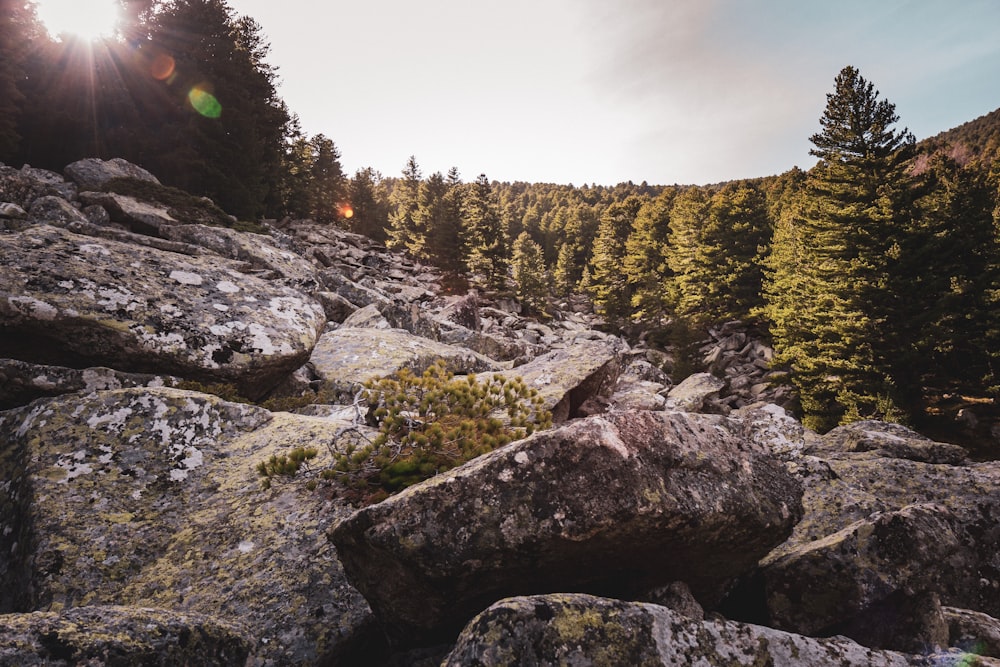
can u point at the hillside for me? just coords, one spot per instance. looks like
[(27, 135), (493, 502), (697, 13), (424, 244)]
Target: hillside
[(977, 140)]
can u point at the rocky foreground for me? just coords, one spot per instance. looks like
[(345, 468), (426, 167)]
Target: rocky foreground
[(653, 524)]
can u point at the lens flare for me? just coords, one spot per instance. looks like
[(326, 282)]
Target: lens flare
[(345, 211), (162, 67), (204, 102)]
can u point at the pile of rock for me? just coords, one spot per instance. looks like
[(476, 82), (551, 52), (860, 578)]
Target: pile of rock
[(134, 528), (736, 353)]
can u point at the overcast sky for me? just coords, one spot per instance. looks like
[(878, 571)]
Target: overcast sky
[(606, 91)]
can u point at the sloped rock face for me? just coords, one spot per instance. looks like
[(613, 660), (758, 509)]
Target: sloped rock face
[(885, 539), (347, 357), (68, 300), (22, 382), (150, 498), (574, 629), (94, 173), (126, 636), (566, 378), (613, 505)]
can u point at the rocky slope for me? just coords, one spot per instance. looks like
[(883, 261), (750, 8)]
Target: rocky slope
[(656, 523)]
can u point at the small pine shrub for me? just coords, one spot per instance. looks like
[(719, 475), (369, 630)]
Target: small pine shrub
[(433, 422), (286, 465)]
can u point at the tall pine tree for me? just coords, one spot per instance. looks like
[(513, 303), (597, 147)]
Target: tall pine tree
[(831, 293)]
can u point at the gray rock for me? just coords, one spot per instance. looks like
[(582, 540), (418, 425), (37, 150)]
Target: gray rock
[(117, 635), (871, 581), (614, 505), (140, 216), (336, 307), (575, 629), (55, 211), (23, 186), (150, 498), (887, 440), (369, 317), (258, 250), (347, 357), (695, 393), (878, 492), (567, 378), (12, 211), (74, 301), (94, 173), (22, 382), (973, 631)]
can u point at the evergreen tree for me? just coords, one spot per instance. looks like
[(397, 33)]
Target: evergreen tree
[(685, 252), (327, 185), (645, 263), (831, 296), (404, 233), (486, 246), (608, 284), (369, 203), (18, 28), (564, 276), (440, 213), (529, 271), (950, 277)]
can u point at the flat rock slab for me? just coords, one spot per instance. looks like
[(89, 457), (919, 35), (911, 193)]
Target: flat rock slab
[(347, 357), (567, 378), (114, 635), (22, 382), (151, 498), (574, 629), (615, 505), (77, 301)]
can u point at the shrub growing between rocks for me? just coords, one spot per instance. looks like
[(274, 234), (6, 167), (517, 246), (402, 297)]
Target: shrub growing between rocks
[(433, 422)]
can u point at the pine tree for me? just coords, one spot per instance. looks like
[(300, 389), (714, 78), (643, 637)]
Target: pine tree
[(404, 233), (685, 249), (486, 246), (608, 284), (831, 296), (327, 184), (369, 204), (529, 271), (645, 263), (564, 276), (950, 277)]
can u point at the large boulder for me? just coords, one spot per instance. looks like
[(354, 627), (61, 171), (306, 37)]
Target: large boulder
[(115, 635), (347, 357), (22, 382), (695, 393), (614, 505), (151, 498), (94, 173), (886, 534), (566, 378), (575, 629), (74, 301), (23, 186), (259, 251)]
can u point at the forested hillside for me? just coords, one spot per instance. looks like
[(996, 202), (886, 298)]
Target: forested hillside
[(875, 271)]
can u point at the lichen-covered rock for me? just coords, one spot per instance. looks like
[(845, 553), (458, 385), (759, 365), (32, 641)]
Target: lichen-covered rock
[(870, 581), (116, 635), (347, 357), (848, 496), (567, 378), (150, 498), (55, 211), (695, 393), (140, 216), (23, 186), (94, 173), (257, 250), (74, 301), (887, 440), (575, 629), (973, 631), (617, 505), (22, 382)]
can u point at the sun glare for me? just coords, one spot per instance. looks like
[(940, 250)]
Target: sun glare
[(87, 19)]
